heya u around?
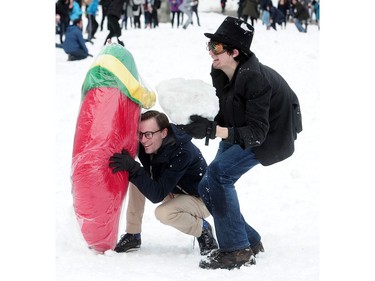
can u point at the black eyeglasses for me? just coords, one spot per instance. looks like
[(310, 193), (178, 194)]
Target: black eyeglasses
[(147, 134)]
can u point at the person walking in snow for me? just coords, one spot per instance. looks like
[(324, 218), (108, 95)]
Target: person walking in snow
[(194, 10), (175, 11), (315, 9), (127, 14), (223, 4), (147, 8), (172, 169), (113, 16), (185, 8), (137, 12), (276, 16), (92, 24), (301, 16), (63, 8), (105, 5), (250, 9), (284, 7), (258, 121), (265, 13)]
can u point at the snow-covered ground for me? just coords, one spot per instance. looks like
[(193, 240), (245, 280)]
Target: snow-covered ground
[(41, 236)]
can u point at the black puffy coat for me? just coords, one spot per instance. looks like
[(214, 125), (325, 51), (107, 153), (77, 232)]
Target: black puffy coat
[(178, 167), (260, 109)]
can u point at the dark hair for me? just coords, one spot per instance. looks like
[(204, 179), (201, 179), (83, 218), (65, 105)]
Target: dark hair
[(160, 117), (242, 57), (77, 20)]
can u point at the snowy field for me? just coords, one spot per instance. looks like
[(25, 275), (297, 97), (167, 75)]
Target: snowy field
[(302, 231)]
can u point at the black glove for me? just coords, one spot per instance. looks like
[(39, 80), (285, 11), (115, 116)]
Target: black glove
[(123, 162), (200, 127)]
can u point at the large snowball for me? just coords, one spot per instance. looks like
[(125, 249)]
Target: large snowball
[(180, 98)]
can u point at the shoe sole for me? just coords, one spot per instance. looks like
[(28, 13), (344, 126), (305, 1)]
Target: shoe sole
[(129, 250), (133, 250), (206, 265)]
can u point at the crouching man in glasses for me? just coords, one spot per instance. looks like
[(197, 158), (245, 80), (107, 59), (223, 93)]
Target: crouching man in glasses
[(172, 169)]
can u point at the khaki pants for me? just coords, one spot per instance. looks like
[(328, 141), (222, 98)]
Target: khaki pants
[(183, 212)]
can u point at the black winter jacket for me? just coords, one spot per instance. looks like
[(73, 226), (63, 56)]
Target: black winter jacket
[(62, 9), (276, 15), (177, 167), (260, 109), (301, 12), (115, 8)]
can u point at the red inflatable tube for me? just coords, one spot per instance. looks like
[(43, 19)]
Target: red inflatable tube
[(112, 97), (107, 123)]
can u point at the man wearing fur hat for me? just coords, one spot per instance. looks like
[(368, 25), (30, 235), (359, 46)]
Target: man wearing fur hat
[(258, 122)]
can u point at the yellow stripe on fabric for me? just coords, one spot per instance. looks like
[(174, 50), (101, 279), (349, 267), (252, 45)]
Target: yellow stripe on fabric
[(137, 92)]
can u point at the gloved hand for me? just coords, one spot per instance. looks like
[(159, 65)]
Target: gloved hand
[(123, 162), (200, 127)]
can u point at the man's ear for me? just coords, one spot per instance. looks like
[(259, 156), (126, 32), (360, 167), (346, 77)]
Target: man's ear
[(235, 53), (164, 133)]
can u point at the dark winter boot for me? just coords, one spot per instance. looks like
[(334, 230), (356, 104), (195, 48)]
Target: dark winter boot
[(120, 42), (128, 243), (206, 241), (228, 260), (73, 58), (258, 247)]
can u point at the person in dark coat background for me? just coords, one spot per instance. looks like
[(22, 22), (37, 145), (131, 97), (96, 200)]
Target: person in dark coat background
[(250, 9), (315, 9), (301, 15), (223, 4), (172, 169), (276, 16), (74, 44), (105, 5), (63, 8), (284, 7), (258, 121), (113, 16)]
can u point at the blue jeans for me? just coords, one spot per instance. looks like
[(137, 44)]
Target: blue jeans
[(219, 194), (299, 25), (266, 18)]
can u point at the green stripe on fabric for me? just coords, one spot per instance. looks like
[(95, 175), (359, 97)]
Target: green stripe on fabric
[(98, 77), (115, 67), (123, 55)]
